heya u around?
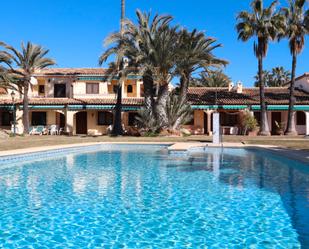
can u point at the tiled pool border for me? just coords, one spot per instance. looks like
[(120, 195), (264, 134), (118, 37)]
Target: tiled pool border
[(49, 153), (179, 149)]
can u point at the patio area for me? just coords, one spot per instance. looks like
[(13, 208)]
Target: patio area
[(11, 143)]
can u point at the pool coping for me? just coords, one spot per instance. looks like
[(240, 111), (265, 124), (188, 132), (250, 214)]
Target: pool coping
[(172, 146)]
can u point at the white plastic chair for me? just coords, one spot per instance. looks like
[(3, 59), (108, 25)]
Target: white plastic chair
[(53, 130)]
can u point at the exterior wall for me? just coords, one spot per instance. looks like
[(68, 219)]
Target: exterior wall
[(198, 127), (79, 90), (303, 83), (92, 124)]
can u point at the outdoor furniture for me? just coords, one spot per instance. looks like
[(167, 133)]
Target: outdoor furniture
[(229, 130), (53, 130), (38, 130), (61, 130)]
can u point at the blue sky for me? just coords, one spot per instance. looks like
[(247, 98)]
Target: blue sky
[(74, 30)]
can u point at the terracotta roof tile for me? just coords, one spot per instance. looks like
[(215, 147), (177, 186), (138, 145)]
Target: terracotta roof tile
[(72, 71), (249, 96)]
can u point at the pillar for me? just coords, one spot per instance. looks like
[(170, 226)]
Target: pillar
[(19, 121), (124, 93), (69, 122), (307, 123), (138, 88), (209, 132)]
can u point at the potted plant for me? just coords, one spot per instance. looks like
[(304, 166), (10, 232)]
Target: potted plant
[(250, 125)]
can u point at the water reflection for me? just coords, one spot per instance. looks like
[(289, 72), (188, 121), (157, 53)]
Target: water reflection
[(168, 195), (241, 169)]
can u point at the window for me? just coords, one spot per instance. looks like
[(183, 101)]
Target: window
[(6, 118), (59, 91), (129, 89), (115, 88), (38, 118), (300, 118), (92, 88), (105, 118), (132, 118), (41, 89)]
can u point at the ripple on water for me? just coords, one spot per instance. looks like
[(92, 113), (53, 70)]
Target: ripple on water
[(148, 199)]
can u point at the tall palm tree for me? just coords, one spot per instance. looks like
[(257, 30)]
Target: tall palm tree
[(195, 52), (24, 63), (297, 27), (118, 65), (265, 25), (117, 127), (151, 44)]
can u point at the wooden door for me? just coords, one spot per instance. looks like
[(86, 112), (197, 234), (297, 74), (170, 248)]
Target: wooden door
[(81, 123)]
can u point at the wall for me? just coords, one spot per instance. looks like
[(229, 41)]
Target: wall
[(79, 89), (303, 84), (198, 122)]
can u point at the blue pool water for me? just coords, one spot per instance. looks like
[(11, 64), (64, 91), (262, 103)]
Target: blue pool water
[(122, 196)]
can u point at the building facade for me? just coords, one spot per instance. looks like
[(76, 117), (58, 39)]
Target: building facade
[(82, 100)]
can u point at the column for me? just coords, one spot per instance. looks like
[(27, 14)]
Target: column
[(124, 93), (307, 123), (138, 88), (19, 121), (69, 122), (209, 132)]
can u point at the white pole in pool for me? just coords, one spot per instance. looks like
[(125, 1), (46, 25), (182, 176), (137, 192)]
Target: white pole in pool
[(216, 136)]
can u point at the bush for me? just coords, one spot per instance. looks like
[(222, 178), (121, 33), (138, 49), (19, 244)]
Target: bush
[(249, 123)]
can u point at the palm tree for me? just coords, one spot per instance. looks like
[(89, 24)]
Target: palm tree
[(265, 25), (266, 78), (151, 44), (278, 77), (274, 78), (117, 69), (195, 52), (212, 79), (297, 27), (32, 57)]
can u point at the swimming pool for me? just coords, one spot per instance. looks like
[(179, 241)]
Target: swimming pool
[(141, 196)]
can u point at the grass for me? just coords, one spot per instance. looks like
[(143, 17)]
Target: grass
[(12, 143)]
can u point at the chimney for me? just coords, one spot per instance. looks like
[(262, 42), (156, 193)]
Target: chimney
[(239, 87), (231, 85)]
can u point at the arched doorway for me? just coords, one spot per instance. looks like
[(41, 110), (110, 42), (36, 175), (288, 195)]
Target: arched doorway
[(81, 123)]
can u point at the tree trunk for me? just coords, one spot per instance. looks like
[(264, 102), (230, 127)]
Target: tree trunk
[(264, 129), (123, 8), (184, 84), (160, 110), (148, 91), (290, 128), (26, 108), (117, 127)]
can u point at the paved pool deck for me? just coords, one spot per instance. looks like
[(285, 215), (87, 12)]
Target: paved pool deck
[(294, 154)]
